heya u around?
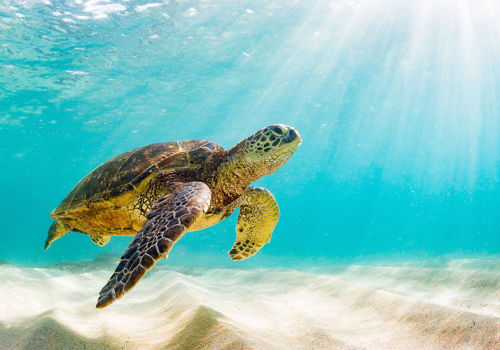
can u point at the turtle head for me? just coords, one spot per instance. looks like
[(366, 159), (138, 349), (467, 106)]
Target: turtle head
[(268, 149)]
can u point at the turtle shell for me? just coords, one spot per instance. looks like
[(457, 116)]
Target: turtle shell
[(130, 171)]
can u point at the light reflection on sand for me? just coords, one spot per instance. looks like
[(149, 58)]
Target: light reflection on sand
[(403, 306)]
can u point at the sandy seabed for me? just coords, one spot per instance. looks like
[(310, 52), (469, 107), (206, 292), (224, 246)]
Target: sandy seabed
[(454, 305)]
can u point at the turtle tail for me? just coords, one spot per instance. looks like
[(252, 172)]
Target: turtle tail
[(56, 230)]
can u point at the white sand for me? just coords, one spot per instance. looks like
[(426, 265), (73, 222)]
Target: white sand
[(452, 306)]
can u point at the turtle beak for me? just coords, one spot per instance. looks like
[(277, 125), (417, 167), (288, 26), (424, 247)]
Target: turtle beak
[(290, 142), (293, 138)]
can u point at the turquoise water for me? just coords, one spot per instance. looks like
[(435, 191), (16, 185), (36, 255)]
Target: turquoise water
[(396, 101)]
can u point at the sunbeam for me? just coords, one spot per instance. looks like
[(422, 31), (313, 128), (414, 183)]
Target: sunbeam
[(409, 86), (396, 102), (328, 171)]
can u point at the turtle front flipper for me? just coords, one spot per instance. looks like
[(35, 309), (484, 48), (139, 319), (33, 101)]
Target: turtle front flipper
[(170, 219), (259, 214)]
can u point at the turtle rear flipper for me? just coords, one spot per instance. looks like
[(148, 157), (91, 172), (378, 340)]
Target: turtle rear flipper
[(99, 239), (167, 223), (56, 230)]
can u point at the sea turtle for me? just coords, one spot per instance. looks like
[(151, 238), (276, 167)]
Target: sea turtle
[(159, 192)]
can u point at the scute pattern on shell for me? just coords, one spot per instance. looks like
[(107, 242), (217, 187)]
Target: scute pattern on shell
[(125, 171)]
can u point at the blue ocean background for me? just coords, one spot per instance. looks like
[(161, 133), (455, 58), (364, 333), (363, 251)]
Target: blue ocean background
[(396, 101)]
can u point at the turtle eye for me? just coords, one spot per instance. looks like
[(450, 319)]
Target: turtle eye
[(278, 130)]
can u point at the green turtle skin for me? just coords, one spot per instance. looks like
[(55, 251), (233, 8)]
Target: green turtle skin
[(159, 192)]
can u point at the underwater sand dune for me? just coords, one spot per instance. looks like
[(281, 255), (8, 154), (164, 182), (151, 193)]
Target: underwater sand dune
[(408, 306)]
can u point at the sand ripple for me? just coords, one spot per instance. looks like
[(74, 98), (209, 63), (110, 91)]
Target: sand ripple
[(409, 306)]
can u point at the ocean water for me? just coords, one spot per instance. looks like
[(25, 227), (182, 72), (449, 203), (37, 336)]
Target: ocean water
[(397, 103)]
